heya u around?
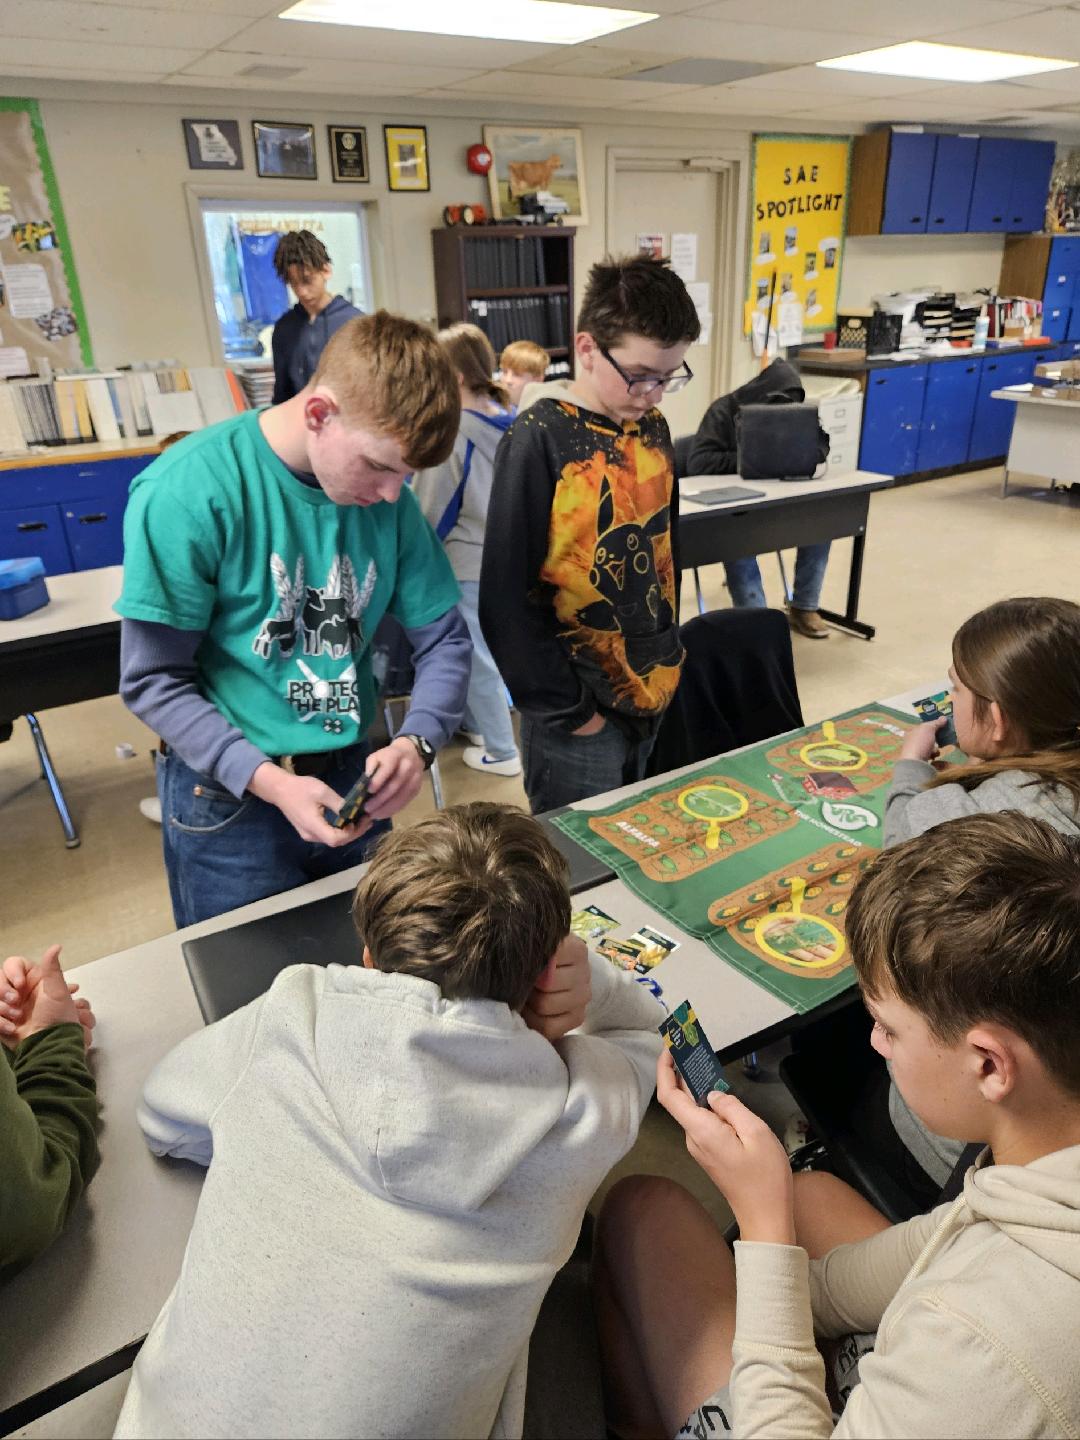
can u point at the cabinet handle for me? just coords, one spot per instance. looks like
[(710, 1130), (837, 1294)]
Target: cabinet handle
[(32, 525), (971, 369), (91, 519), (995, 219), (86, 474), (915, 219), (879, 382), (939, 219)]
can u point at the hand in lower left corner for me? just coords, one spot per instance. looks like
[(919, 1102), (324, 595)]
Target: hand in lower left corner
[(739, 1153), (397, 773), (921, 742)]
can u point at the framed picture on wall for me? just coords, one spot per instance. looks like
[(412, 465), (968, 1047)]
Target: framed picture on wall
[(530, 161), (406, 157), (348, 153), (213, 144), (284, 151)]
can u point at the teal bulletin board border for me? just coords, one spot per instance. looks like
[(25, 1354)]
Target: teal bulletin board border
[(837, 140), (52, 190)]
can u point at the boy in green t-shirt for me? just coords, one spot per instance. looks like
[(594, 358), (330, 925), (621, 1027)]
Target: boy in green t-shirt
[(260, 555)]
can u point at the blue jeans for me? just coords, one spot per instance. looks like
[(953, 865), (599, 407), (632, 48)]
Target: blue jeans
[(561, 768), (221, 852), (486, 710), (744, 579)]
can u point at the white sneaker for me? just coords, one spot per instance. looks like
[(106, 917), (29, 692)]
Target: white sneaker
[(151, 808), (477, 758), (473, 736)]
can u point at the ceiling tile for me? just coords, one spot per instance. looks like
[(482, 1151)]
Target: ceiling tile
[(122, 24), (63, 56), (885, 21), (516, 84), (811, 81), (245, 9), (291, 37), (689, 35), (110, 77), (1052, 33), (727, 100), (363, 75)]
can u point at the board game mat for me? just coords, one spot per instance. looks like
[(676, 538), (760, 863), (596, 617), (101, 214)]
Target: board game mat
[(756, 854)]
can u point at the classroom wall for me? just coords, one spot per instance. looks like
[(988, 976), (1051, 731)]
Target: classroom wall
[(874, 264)]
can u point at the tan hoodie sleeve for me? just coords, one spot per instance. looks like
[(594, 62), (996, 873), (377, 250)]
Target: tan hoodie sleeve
[(852, 1286)]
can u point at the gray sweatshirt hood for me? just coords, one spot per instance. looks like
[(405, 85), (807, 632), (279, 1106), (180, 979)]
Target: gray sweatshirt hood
[(485, 431), (435, 1147)]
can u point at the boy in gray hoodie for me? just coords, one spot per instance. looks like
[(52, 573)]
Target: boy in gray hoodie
[(400, 1154), (966, 943)]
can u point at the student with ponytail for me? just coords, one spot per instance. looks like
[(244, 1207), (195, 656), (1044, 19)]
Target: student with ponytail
[(1016, 706), (454, 497)]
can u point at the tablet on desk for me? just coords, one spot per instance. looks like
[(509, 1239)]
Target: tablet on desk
[(720, 494)]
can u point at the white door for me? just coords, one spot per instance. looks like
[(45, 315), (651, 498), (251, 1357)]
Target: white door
[(668, 202)]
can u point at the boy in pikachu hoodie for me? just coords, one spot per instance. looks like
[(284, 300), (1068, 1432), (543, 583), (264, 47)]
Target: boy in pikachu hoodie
[(962, 1322), (400, 1154)]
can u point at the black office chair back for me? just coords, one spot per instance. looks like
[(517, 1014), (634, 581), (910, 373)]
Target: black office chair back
[(683, 444), (737, 687)]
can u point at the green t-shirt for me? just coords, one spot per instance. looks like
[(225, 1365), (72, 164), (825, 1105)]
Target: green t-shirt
[(220, 536)]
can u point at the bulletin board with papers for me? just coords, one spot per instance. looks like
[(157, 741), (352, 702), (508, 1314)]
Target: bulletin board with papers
[(797, 219), (41, 313)]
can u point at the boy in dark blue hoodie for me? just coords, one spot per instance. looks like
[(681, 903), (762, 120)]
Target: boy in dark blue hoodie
[(300, 336)]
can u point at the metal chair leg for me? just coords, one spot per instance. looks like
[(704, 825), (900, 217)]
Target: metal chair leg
[(751, 1068), (71, 835), (700, 597), (789, 594)]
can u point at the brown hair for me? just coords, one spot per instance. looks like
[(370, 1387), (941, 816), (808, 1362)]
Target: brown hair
[(474, 898), (525, 357), (299, 247), (394, 374), (978, 920), (1025, 654), (471, 355), (636, 295)]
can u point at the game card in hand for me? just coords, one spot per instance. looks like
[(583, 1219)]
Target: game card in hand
[(694, 1057), (934, 707), (591, 923)]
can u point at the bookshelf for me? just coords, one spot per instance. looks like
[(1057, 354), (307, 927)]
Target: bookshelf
[(515, 281)]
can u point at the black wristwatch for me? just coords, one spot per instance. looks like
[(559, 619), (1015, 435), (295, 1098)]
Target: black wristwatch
[(423, 749)]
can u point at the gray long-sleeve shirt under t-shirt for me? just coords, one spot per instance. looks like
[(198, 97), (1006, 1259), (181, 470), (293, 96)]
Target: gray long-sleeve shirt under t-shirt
[(158, 684)]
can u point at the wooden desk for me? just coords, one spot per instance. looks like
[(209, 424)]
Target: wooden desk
[(788, 513), (1044, 437)]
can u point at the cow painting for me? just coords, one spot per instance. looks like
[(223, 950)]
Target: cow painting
[(529, 175)]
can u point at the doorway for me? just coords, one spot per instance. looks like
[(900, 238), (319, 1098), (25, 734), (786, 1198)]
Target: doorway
[(697, 200)]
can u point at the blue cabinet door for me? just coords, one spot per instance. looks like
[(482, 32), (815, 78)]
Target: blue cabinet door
[(95, 531), (992, 428), (952, 388), (891, 413), (1056, 320), (35, 530), (950, 190), (1032, 162), (907, 183), (991, 192)]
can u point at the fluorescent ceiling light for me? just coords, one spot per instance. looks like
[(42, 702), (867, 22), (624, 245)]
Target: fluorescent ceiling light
[(922, 60), (547, 22)]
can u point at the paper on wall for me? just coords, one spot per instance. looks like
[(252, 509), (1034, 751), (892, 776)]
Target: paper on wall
[(789, 323), (14, 361), (28, 294), (684, 256), (759, 321), (654, 246), (7, 224), (699, 292)]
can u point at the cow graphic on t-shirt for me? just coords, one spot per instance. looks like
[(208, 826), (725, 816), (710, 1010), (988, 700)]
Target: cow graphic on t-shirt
[(328, 618)]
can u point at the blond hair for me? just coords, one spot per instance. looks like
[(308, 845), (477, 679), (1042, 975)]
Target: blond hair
[(470, 353), (1025, 654), (978, 921), (474, 898), (525, 357), (393, 374)]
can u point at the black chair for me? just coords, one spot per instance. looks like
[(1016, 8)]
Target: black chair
[(737, 688)]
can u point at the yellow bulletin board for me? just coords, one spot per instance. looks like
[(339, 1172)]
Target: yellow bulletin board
[(798, 215)]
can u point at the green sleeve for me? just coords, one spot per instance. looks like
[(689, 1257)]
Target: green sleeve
[(171, 556), (48, 1139), (425, 588)]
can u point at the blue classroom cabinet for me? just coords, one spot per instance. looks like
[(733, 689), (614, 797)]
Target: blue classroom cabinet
[(892, 410), (950, 190), (952, 390), (907, 183), (992, 429), (1012, 181), (70, 512)]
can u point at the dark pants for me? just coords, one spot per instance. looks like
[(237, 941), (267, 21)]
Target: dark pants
[(561, 768), (221, 852)]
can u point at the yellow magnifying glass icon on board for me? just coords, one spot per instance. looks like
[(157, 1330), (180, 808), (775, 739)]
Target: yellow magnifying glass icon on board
[(715, 805), (805, 941), (829, 753)]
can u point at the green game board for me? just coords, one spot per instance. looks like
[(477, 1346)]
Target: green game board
[(757, 853)]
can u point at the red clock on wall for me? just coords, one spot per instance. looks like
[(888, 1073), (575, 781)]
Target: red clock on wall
[(478, 159)]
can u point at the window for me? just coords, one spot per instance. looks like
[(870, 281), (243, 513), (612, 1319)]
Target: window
[(248, 296)]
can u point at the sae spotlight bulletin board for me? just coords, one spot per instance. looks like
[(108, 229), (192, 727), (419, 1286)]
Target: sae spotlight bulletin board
[(798, 214)]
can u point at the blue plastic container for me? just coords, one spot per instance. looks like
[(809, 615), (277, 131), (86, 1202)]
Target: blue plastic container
[(22, 587)]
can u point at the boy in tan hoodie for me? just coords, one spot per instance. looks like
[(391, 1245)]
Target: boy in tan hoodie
[(966, 943)]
